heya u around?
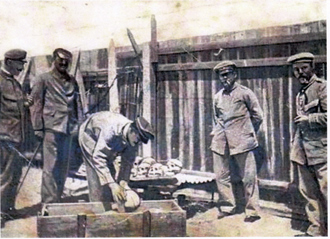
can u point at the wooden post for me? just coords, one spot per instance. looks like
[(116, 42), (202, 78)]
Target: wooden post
[(153, 43), (81, 227), (112, 79), (75, 72), (149, 62)]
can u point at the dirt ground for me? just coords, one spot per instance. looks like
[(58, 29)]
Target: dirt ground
[(201, 221)]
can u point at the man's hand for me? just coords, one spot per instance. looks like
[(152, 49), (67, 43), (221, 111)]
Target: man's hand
[(124, 184), (118, 193), (302, 120), (29, 101)]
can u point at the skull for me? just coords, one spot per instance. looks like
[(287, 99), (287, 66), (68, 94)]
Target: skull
[(148, 160), (143, 169), (165, 169), (174, 167), (134, 170), (156, 170)]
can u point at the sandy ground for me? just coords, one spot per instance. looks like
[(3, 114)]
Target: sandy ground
[(202, 224)]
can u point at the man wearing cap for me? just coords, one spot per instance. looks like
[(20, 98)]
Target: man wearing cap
[(309, 147), (103, 137), (13, 104), (237, 117), (55, 117)]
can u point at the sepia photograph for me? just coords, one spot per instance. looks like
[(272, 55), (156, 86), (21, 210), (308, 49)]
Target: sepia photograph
[(163, 118)]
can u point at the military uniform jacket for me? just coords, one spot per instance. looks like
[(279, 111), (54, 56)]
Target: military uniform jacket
[(12, 112), (310, 142), (57, 105), (101, 139), (237, 116)]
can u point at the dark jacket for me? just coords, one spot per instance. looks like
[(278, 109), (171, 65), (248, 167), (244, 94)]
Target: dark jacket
[(57, 104), (12, 111), (310, 141)]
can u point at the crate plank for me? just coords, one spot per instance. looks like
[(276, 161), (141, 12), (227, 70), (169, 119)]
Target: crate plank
[(167, 218), (54, 209), (57, 226), (118, 224)]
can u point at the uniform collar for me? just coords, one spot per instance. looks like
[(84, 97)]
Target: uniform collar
[(58, 75), (125, 132), (312, 80), (231, 90), (6, 73)]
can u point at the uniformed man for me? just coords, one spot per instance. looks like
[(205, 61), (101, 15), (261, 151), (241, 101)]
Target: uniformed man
[(309, 148), (55, 120), (103, 137), (237, 116), (13, 103)]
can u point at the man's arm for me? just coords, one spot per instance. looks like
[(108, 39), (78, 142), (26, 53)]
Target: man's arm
[(37, 94), (127, 160), (255, 110), (319, 120), (79, 108)]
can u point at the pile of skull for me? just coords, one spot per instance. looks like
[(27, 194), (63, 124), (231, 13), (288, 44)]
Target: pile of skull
[(149, 167)]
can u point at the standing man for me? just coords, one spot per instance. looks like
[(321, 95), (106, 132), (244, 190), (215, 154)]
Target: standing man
[(237, 116), (55, 120), (13, 103), (309, 148), (103, 137)]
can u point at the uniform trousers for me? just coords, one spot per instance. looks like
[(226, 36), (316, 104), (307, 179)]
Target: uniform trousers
[(96, 192), (236, 179), (56, 154), (313, 185), (10, 174)]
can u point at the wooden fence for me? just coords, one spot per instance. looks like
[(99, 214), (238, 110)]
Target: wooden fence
[(179, 95)]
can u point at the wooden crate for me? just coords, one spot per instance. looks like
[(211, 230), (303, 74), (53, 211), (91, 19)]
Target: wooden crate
[(91, 220), (167, 218)]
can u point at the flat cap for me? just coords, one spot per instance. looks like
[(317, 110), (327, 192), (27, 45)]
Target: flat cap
[(62, 53), (301, 57), (16, 54), (224, 66), (144, 128)]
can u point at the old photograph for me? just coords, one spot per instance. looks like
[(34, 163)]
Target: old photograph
[(163, 118)]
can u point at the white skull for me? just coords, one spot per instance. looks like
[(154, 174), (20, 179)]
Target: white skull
[(156, 170), (134, 170), (174, 167), (165, 169), (143, 169), (149, 160)]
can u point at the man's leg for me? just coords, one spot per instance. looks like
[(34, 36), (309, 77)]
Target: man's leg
[(223, 181), (321, 172), (10, 174), (248, 172), (50, 153), (63, 159), (308, 187)]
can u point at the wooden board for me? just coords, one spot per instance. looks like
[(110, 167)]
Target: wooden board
[(113, 224), (152, 218), (57, 209), (57, 226), (167, 218)]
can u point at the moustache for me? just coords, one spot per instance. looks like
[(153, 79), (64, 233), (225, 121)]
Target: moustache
[(63, 64)]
